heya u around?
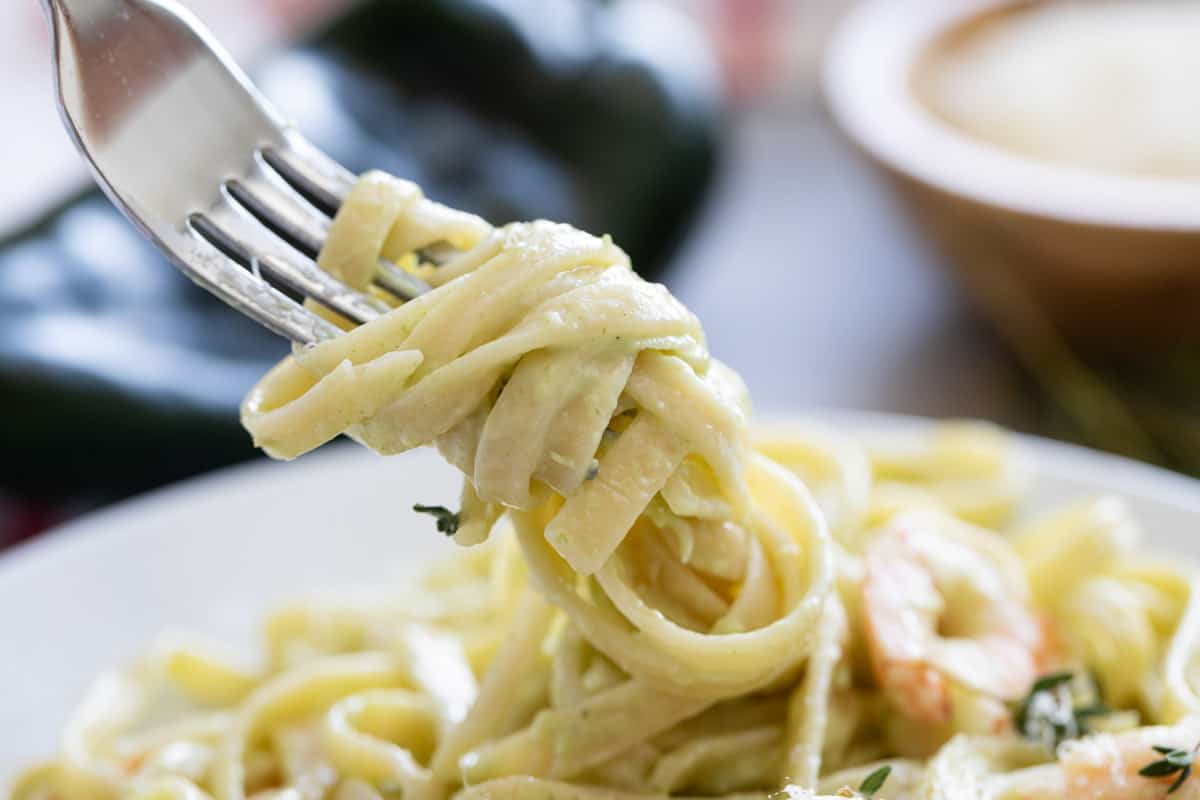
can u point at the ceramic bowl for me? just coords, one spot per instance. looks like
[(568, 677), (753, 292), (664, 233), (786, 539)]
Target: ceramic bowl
[(1112, 260)]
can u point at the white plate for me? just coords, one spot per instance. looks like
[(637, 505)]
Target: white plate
[(213, 554)]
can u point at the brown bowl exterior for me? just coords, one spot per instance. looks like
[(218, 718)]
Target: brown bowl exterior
[(1105, 287)]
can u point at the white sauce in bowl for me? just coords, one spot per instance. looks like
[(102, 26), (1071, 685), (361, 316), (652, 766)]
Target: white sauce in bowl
[(1107, 85)]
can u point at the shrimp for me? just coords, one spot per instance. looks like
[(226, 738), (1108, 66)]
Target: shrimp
[(948, 620), (1106, 766)]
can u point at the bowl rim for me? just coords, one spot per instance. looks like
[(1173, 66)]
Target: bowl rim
[(867, 82)]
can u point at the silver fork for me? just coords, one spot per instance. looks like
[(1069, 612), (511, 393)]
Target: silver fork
[(189, 150)]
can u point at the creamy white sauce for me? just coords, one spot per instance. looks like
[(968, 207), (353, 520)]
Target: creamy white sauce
[(1105, 84)]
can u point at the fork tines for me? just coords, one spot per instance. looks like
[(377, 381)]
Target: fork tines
[(273, 220), (193, 154)]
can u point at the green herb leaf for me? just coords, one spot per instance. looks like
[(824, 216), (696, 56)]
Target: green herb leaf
[(1096, 709), (447, 520), (1183, 776), (1157, 769), (1174, 760), (1059, 706), (1048, 682), (874, 782)]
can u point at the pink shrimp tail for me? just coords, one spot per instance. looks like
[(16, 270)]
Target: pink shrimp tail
[(919, 691)]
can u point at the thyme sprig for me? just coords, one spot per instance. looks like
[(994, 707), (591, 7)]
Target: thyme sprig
[(447, 520), (1059, 706), (1174, 761), (874, 782)]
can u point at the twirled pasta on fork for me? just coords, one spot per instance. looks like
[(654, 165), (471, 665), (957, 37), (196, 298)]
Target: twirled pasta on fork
[(583, 401)]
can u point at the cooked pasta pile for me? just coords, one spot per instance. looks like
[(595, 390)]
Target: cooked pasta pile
[(651, 601)]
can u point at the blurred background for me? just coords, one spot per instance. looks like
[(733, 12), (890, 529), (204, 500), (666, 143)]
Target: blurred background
[(694, 131)]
